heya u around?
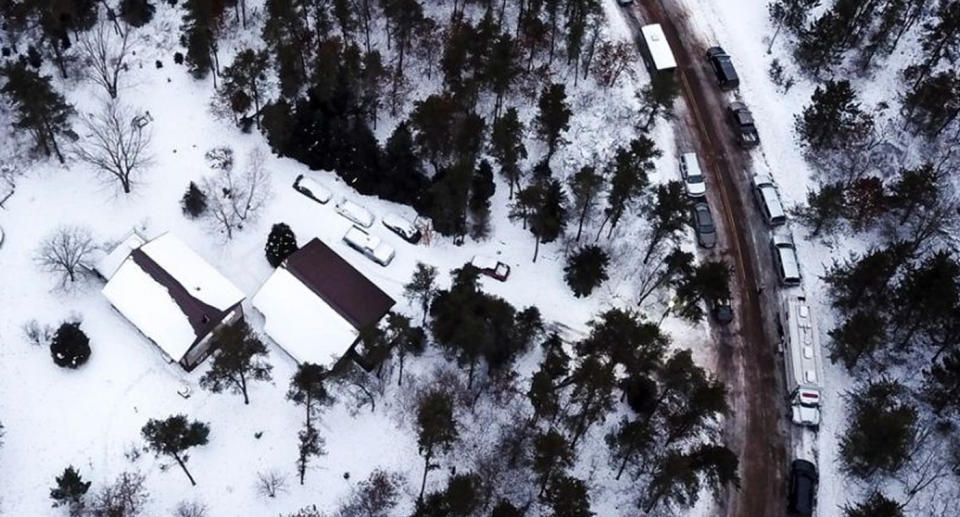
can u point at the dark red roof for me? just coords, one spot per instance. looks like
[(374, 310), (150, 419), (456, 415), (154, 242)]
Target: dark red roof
[(341, 286)]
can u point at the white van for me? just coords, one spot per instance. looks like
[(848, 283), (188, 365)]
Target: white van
[(767, 195), (785, 258)]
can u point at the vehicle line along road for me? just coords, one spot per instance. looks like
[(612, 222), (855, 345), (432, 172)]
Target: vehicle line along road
[(754, 430)]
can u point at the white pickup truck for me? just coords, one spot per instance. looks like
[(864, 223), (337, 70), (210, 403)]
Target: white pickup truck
[(370, 245)]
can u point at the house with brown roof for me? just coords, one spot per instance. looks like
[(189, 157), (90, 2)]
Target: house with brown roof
[(316, 305), (171, 295)]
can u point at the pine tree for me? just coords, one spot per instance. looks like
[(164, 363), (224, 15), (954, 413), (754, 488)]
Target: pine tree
[(709, 280), (243, 80), (591, 397), (502, 69), (568, 497), (824, 210), (630, 439), (791, 14), (70, 347), (194, 201), (136, 13), (436, 428), (506, 145), (281, 243), (308, 390), (200, 32), (433, 121), (621, 337), (881, 431), (934, 103), (240, 357), (822, 44), (173, 437), (585, 185), (422, 287), (860, 336), (288, 38), (553, 116), (875, 505), (628, 178), (70, 492), (940, 39), (658, 97), (667, 213), (916, 190), (482, 189), (505, 509), (404, 17), (402, 179), (586, 269), (941, 387), (406, 339), (39, 108), (834, 118), (544, 393), (463, 495), (542, 207), (551, 454)]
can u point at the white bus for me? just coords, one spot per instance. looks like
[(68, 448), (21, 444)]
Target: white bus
[(656, 51), (802, 362)]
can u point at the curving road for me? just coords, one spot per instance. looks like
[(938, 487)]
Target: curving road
[(747, 359)]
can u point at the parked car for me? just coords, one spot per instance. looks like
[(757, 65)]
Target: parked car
[(802, 490), (743, 124), (692, 175), (723, 68), (313, 190), (370, 245), (703, 225), (402, 227), (491, 267), (785, 258), (767, 195), (721, 310), (354, 212)]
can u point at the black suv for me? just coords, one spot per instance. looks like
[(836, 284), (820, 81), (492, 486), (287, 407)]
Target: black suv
[(742, 121), (723, 68), (803, 488)]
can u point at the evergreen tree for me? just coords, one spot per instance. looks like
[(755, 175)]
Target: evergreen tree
[(940, 39), (934, 103), (916, 190), (70, 492), (404, 17), (194, 201), (506, 146), (553, 116), (824, 210), (482, 189), (860, 336), (463, 495), (406, 339), (834, 119), (591, 397), (790, 14), (70, 347), (628, 178), (568, 497), (242, 81), (822, 44), (544, 393), (551, 454), (402, 179), (941, 387), (200, 32), (281, 243), (621, 337), (436, 428), (240, 357), (658, 97), (505, 509), (543, 208), (709, 280), (422, 287), (667, 214), (136, 13), (288, 39), (875, 505), (585, 185), (881, 431), (502, 69), (38, 108), (433, 120), (308, 390), (173, 437), (586, 269)]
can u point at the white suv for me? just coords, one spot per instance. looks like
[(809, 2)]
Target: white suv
[(785, 258), (354, 212), (767, 194), (692, 175), (370, 245)]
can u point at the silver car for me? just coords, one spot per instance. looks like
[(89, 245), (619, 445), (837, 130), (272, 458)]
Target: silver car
[(703, 225)]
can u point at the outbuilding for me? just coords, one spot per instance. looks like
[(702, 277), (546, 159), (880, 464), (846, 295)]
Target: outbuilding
[(170, 294), (316, 305)]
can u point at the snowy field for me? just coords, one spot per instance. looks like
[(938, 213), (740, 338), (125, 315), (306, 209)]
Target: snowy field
[(91, 417)]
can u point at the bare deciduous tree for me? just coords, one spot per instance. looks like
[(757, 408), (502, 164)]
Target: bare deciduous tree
[(236, 199), (114, 144), (191, 509), (271, 483), (66, 251), (103, 50), (127, 497)]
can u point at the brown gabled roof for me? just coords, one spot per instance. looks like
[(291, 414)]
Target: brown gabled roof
[(202, 317), (341, 286)]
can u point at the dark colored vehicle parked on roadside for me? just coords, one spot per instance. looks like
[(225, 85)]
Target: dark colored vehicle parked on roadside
[(723, 68), (802, 489), (743, 125), (722, 310), (703, 225)]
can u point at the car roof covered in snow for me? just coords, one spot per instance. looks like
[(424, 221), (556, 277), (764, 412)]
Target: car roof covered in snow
[(171, 294), (484, 262)]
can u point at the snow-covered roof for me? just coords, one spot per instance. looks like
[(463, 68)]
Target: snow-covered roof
[(110, 263), (149, 306), (659, 49), (301, 322), (170, 293), (195, 274)]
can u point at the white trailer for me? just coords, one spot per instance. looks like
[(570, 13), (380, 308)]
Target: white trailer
[(804, 370), (656, 51)]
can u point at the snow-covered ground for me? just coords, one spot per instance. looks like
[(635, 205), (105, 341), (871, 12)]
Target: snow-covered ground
[(91, 417)]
